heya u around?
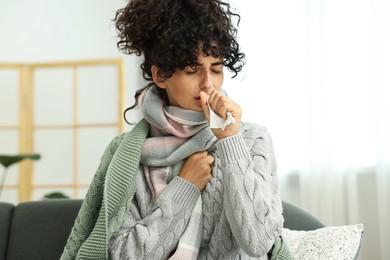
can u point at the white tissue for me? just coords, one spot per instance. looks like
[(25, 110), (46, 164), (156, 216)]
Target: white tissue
[(218, 122)]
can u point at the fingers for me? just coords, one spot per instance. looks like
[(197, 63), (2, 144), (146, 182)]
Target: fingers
[(209, 159), (197, 169), (203, 102), (205, 163), (220, 104), (204, 157)]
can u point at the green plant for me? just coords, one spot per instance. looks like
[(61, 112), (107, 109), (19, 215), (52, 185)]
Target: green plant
[(8, 160), (56, 195)]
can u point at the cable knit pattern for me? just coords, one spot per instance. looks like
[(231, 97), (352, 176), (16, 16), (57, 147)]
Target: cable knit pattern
[(253, 211), (153, 233), (242, 213), (241, 204), (242, 207)]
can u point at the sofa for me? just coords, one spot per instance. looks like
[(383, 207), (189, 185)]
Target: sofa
[(39, 229)]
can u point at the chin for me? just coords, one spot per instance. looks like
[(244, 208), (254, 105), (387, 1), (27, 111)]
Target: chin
[(199, 109)]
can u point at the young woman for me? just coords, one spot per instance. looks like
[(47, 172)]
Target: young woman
[(174, 187)]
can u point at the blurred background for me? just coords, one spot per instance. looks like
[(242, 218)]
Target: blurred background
[(317, 76)]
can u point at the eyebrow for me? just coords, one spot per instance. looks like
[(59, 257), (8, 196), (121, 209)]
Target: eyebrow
[(217, 63), (213, 64)]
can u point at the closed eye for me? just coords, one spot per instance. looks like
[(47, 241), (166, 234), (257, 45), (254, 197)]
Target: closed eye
[(191, 71)]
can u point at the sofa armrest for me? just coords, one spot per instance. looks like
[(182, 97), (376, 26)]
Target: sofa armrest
[(296, 218)]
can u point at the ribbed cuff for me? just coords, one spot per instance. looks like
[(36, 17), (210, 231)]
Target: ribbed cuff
[(232, 148), (183, 192)]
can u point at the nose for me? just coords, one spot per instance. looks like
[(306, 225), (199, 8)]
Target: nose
[(206, 83)]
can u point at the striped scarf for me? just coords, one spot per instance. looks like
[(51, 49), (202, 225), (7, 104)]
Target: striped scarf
[(175, 134)]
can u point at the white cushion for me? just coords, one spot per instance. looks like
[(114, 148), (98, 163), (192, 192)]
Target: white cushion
[(334, 242)]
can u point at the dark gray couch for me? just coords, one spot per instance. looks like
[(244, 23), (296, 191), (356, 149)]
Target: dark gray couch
[(38, 230)]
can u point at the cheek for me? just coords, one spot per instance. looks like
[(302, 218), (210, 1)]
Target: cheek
[(178, 94), (180, 91), (218, 82)]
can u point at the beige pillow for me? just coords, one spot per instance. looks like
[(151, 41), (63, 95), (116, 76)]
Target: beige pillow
[(334, 242)]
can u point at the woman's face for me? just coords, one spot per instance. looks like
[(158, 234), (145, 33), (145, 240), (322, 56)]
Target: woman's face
[(184, 87)]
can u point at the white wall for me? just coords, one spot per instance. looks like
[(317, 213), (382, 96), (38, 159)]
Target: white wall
[(56, 30), (53, 30)]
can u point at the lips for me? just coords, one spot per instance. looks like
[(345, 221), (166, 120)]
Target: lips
[(197, 100)]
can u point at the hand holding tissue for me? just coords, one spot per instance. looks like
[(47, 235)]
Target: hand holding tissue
[(215, 106), (218, 122)]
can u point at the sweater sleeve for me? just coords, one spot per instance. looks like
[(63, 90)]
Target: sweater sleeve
[(156, 235), (251, 198)]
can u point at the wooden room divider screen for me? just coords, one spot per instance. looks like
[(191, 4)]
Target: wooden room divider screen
[(65, 111)]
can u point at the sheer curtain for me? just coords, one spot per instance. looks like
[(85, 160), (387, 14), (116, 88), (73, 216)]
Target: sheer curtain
[(318, 77)]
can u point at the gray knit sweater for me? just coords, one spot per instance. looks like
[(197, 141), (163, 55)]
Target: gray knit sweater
[(242, 212)]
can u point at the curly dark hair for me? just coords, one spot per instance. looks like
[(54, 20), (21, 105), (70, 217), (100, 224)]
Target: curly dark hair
[(169, 32)]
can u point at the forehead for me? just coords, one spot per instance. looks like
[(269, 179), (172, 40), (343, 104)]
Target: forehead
[(209, 60)]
